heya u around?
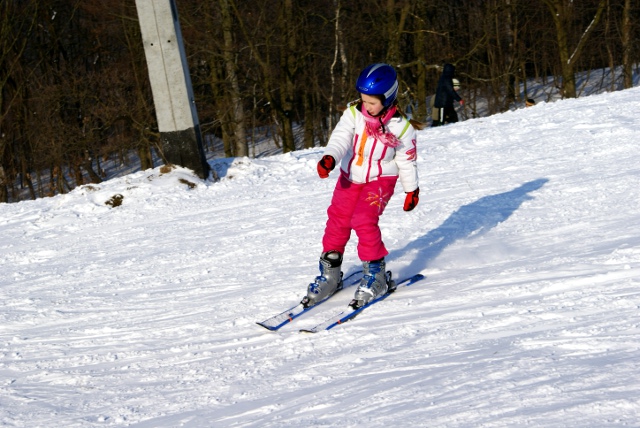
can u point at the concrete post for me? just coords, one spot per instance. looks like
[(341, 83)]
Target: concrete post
[(176, 113)]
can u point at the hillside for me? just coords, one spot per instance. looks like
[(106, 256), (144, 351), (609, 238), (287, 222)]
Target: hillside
[(144, 314)]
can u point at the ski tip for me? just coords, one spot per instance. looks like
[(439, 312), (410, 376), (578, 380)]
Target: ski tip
[(304, 330), (412, 280), (268, 327)]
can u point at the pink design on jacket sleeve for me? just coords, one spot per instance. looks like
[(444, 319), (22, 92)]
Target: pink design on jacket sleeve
[(411, 153)]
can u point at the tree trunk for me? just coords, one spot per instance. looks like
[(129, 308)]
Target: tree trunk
[(145, 156), (338, 83), (287, 91), (395, 29), (87, 165), (627, 44), (237, 116), (561, 16), (32, 190), (3, 186), (510, 31), (308, 122), (419, 49)]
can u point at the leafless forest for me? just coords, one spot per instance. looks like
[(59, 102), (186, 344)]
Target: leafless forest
[(74, 88)]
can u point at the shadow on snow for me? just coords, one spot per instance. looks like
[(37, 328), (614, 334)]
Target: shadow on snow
[(469, 221)]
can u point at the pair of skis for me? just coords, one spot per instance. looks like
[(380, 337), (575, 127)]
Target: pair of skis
[(285, 317)]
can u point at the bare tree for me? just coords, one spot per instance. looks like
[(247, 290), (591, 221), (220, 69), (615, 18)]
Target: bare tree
[(338, 65), (74, 91), (236, 113), (278, 87), (627, 44), (562, 12), (18, 22)]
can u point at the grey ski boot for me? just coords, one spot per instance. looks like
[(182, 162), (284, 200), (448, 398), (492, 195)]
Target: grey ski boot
[(328, 282), (373, 283)]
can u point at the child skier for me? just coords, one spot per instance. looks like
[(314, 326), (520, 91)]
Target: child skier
[(375, 144)]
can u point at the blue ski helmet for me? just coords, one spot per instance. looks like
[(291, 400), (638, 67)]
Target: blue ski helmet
[(379, 79)]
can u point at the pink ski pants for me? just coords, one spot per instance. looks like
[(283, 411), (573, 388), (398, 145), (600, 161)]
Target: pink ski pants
[(358, 207)]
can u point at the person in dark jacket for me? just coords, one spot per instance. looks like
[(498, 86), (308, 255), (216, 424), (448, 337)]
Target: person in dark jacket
[(445, 96)]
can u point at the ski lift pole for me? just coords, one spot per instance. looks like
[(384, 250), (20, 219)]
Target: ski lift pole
[(180, 135)]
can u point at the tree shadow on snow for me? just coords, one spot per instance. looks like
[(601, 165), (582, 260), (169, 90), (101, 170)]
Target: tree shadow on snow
[(469, 221)]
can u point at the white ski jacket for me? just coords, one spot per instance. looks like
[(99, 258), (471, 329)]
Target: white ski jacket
[(365, 161)]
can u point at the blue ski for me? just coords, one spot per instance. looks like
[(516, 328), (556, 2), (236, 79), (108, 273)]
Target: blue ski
[(350, 313), (285, 317)]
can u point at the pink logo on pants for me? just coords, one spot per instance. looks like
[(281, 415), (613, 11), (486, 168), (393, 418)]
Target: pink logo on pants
[(379, 199)]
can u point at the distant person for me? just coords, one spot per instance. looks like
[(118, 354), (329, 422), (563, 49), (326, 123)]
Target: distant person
[(445, 96), (530, 102), (374, 146), (435, 113)]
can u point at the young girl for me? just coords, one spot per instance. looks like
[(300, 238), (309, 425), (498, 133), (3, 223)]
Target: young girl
[(375, 144)]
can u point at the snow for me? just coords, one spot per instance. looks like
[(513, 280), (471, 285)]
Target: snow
[(144, 314)]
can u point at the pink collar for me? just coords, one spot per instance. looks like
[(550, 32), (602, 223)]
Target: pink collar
[(375, 126)]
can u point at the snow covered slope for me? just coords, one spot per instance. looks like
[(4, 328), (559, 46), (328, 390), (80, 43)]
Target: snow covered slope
[(528, 229)]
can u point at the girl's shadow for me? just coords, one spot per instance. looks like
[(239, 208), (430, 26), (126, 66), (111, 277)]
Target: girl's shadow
[(468, 221)]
